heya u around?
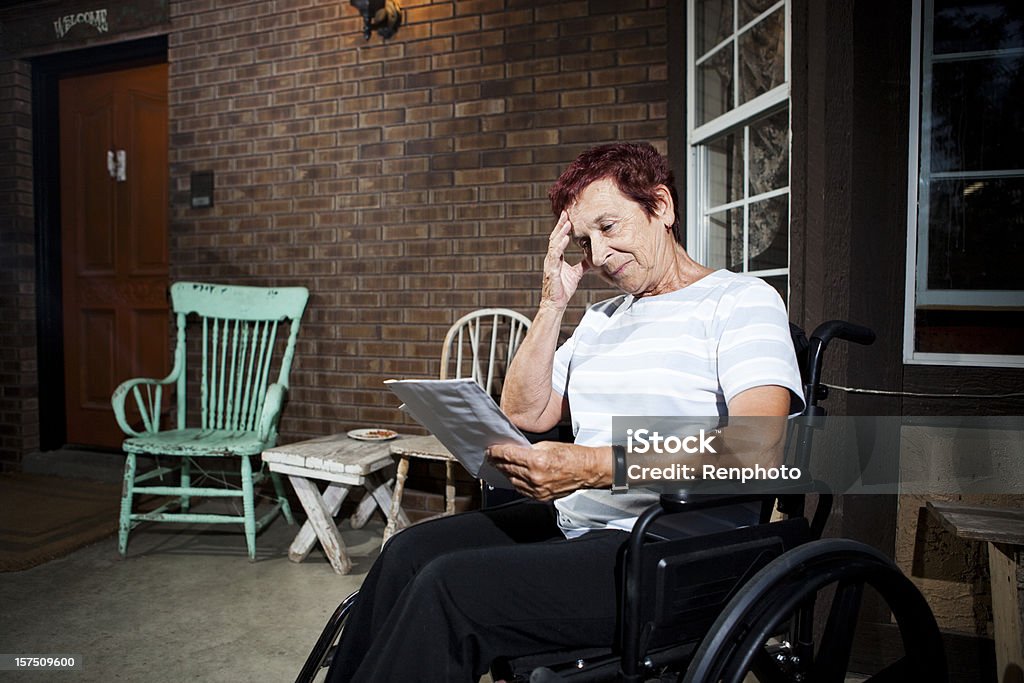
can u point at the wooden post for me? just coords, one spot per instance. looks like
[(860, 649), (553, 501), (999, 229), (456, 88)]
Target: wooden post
[(1002, 563)]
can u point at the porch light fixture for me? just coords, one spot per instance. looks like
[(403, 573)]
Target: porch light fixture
[(383, 16)]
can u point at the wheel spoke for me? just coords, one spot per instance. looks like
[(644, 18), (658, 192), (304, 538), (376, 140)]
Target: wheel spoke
[(833, 655)]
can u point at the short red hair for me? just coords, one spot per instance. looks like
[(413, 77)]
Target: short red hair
[(637, 169)]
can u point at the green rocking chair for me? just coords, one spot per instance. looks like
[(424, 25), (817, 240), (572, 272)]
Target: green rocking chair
[(237, 346)]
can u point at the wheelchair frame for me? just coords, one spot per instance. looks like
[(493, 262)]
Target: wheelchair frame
[(743, 600)]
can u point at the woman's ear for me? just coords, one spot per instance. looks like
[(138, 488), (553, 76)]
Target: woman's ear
[(666, 207)]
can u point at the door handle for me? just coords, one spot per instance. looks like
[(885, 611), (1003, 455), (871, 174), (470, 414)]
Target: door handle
[(117, 165)]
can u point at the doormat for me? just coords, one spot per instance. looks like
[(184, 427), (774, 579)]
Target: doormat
[(44, 517)]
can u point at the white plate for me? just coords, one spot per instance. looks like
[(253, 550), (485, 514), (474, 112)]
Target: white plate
[(376, 434)]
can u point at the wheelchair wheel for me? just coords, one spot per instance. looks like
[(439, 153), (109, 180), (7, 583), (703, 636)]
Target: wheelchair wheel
[(753, 634), (323, 651)]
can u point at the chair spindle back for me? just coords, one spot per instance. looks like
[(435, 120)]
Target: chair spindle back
[(241, 345), (480, 345)]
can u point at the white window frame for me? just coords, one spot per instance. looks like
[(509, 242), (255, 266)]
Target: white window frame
[(916, 292), (698, 232)]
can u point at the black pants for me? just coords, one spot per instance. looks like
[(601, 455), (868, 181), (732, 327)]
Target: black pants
[(447, 596)]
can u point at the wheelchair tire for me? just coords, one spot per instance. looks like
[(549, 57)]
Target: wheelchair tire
[(784, 592), (323, 650)]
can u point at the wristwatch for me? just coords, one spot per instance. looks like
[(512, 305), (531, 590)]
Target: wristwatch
[(619, 484)]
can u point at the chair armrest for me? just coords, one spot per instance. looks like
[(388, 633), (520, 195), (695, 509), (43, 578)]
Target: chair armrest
[(272, 405), (148, 404)]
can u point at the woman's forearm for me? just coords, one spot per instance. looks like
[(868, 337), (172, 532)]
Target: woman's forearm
[(526, 395)]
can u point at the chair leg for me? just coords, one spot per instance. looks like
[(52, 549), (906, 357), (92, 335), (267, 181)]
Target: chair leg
[(282, 498), (396, 498), (185, 501), (248, 507), (127, 489), (449, 487)]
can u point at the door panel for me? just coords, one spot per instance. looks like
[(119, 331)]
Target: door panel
[(93, 206), (114, 242), (149, 324), (148, 201), (97, 339)]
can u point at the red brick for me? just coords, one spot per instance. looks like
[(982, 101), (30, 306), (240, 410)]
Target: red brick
[(479, 39), (380, 173), (461, 25), (587, 98)]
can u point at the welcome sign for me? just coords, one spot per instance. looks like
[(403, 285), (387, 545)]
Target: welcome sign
[(28, 30), (95, 18)]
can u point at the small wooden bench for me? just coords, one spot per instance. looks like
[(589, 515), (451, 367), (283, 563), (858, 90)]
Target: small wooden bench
[(343, 463), (1003, 530)]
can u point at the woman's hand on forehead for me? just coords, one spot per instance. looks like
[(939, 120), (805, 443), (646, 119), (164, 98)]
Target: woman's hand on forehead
[(561, 278)]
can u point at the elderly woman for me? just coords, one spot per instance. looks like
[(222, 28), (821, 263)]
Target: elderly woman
[(448, 596)]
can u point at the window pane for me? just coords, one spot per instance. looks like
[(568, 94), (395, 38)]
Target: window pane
[(769, 153), (739, 44), (976, 234), (977, 120), (762, 56), (725, 170), (752, 9), (714, 85), (714, 23), (959, 331), (726, 240), (977, 25), (769, 234)]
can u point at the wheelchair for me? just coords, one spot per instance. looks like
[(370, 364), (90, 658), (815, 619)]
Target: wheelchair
[(771, 602)]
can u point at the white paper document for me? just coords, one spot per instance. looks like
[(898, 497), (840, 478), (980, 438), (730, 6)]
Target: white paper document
[(463, 418)]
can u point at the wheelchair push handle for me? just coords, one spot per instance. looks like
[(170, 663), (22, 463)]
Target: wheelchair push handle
[(820, 338), (840, 329)]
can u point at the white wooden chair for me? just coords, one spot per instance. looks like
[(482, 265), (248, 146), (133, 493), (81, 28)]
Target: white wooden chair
[(478, 345)]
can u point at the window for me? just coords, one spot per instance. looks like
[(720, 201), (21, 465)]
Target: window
[(739, 136), (965, 282)]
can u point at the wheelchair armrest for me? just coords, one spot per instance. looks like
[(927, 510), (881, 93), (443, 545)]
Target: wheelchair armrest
[(790, 504), (683, 501)]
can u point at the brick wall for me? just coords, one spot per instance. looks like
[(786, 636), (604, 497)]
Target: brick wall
[(19, 409), (404, 182)]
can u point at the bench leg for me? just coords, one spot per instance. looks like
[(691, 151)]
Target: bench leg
[(323, 523), (363, 511), (333, 497)]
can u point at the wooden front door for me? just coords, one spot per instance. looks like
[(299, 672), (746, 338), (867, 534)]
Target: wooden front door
[(113, 188)]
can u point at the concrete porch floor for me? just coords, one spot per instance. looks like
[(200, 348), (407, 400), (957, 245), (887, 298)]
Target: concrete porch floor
[(186, 604)]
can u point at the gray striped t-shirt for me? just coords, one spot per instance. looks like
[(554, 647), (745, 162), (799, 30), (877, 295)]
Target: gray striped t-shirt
[(684, 353)]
